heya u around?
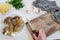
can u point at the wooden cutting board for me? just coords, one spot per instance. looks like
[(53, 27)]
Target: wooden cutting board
[(45, 22)]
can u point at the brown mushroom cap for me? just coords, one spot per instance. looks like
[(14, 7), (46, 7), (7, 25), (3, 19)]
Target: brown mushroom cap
[(16, 17), (7, 20), (20, 22), (5, 29)]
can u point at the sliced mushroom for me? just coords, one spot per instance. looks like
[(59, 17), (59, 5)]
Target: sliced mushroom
[(7, 20), (16, 18), (20, 23), (5, 30)]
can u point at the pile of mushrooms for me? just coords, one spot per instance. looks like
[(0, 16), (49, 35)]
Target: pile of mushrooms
[(14, 25)]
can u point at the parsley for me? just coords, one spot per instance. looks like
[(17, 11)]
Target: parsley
[(16, 3)]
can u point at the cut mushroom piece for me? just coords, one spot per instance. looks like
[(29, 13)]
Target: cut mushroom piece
[(16, 28), (10, 33), (15, 19), (5, 30), (7, 20), (11, 27), (20, 22)]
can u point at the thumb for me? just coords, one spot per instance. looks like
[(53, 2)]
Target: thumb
[(34, 36)]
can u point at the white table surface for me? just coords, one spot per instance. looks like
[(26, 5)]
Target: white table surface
[(24, 34)]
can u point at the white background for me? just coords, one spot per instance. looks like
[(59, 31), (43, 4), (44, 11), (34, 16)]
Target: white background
[(24, 34)]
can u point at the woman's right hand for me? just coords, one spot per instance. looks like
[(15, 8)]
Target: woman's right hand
[(41, 36)]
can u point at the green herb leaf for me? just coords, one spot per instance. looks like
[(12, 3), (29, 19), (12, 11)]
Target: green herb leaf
[(16, 3)]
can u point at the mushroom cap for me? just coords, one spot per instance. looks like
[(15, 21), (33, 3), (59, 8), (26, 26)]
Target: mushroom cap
[(20, 22), (16, 17), (7, 20)]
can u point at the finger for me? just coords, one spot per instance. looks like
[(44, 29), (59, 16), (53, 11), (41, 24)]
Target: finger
[(34, 36), (42, 34)]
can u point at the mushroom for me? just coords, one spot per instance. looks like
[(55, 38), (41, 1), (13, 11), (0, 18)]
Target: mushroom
[(8, 21), (5, 30), (15, 19), (16, 28), (20, 22), (18, 25), (14, 24)]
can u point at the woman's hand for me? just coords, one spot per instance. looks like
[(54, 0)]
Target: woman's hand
[(41, 35)]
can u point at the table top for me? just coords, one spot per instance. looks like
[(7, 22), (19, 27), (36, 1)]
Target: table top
[(24, 34)]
